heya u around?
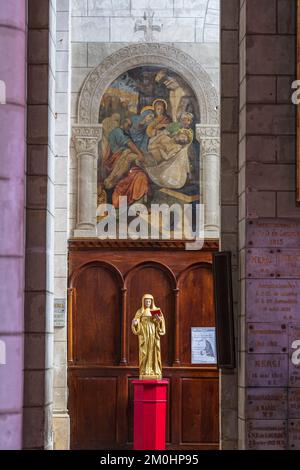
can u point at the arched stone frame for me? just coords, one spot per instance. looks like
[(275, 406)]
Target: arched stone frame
[(88, 132)]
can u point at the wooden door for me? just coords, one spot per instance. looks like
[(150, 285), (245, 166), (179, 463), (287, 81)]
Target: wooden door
[(106, 284)]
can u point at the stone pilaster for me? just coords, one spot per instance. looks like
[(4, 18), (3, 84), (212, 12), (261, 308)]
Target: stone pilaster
[(268, 321), (86, 139), (40, 219), (12, 190), (209, 138)]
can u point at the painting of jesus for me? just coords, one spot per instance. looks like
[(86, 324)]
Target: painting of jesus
[(148, 152)]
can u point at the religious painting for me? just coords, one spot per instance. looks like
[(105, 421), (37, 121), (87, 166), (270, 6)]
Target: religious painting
[(148, 152)]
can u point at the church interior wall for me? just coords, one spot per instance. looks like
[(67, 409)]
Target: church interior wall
[(257, 171), (82, 48), (229, 64), (266, 190), (83, 42), (63, 170)]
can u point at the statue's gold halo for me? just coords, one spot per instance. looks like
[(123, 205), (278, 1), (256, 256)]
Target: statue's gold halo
[(160, 100), (147, 108)]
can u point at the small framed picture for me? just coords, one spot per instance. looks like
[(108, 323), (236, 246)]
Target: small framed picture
[(204, 345)]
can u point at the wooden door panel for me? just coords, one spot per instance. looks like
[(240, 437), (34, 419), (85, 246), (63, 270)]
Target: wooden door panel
[(96, 412), (107, 286), (200, 402), (151, 279), (196, 307), (97, 317)]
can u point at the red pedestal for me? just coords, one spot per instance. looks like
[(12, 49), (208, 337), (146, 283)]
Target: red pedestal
[(150, 405)]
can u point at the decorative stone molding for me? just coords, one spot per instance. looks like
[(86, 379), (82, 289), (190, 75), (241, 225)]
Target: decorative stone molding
[(86, 139), (137, 55), (209, 138)]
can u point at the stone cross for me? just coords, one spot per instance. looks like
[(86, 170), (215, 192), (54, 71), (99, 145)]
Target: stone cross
[(146, 25)]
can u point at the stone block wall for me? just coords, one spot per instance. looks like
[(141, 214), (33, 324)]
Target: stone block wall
[(39, 273), (97, 30), (62, 138), (229, 198), (114, 21), (258, 154), (268, 389)]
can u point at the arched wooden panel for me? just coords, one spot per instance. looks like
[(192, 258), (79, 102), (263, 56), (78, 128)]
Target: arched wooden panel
[(196, 305), (152, 279), (97, 315), (103, 352)]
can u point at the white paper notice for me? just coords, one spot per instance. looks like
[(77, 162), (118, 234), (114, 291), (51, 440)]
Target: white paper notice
[(204, 346)]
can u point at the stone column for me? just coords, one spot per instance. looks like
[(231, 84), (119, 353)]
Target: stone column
[(40, 219), (12, 225), (86, 139), (209, 139)]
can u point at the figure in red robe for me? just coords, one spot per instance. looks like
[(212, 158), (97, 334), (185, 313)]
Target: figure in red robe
[(120, 161)]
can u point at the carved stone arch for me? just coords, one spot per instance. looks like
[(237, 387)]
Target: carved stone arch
[(147, 54), (88, 132)]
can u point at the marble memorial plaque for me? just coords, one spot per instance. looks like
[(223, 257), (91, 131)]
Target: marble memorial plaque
[(272, 300), (266, 434), (267, 370), (266, 403), (59, 313), (272, 263), (294, 402), (294, 355), (267, 338), (274, 233), (260, 263), (288, 263), (294, 434)]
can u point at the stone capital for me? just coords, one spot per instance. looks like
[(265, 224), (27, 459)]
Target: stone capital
[(208, 135), (86, 139)]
